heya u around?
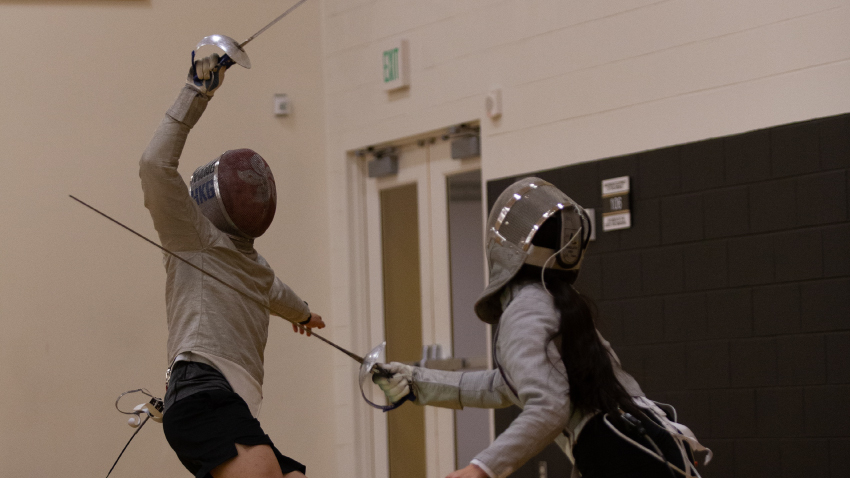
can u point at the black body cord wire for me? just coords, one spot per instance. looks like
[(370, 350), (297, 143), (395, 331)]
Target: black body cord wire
[(635, 422), (658, 450), (147, 417)]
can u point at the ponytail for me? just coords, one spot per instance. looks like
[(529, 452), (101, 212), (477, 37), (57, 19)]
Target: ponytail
[(590, 370)]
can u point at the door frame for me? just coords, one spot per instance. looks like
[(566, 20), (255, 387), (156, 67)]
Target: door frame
[(367, 324)]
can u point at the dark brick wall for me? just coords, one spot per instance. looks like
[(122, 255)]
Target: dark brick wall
[(730, 295)]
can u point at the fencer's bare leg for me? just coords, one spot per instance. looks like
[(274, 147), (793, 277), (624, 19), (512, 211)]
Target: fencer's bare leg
[(253, 461)]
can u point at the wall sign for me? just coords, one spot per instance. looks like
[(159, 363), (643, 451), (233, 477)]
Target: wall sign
[(395, 69), (615, 204)]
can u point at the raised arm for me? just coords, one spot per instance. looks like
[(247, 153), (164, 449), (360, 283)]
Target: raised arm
[(175, 215)]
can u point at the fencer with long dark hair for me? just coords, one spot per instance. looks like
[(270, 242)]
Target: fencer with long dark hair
[(217, 334), (549, 357)]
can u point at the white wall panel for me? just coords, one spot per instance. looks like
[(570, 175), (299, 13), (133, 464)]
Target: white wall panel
[(379, 19), (359, 66), (581, 61), (444, 37), (722, 111), (509, 22), (352, 28), (694, 67), (597, 61), (341, 7)]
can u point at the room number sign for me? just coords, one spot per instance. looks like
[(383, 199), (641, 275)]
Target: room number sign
[(615, 204)]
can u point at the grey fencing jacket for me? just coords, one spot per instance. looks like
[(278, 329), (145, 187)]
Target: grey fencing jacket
[(205, 317), (527, 350)]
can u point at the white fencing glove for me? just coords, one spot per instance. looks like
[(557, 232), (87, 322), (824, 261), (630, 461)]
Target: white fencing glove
[(206, 75), (397, 386)]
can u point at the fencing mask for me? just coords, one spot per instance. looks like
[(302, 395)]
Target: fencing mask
[(236, 192), (515, 218)]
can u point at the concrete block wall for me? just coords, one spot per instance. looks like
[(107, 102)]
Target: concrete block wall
[(730, 295)]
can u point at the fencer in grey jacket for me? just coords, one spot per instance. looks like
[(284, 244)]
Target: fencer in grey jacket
[(529, 351), (207, 321), (526, 347)]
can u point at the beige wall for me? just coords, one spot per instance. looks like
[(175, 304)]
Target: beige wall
[(580, 81), (83, 86)]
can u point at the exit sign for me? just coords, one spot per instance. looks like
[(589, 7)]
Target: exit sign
[(394, 65)]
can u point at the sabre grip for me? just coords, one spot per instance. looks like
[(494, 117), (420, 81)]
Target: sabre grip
[(382, 372), (209, 86), (226, 61)]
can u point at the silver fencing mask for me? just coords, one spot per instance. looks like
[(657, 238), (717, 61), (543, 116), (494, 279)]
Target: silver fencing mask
[(516, 216), (236, 192)]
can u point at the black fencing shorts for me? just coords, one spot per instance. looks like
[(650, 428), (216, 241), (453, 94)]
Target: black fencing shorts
[(204, 427)]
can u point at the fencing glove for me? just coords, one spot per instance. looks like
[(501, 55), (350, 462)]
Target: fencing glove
[(396, 382), (206, 75)]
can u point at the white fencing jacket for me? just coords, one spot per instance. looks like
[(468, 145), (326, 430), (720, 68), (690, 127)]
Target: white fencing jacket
[(206, 318), (527, 349)]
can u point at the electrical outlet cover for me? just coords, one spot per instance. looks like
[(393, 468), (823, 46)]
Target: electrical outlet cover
[(281, 105)]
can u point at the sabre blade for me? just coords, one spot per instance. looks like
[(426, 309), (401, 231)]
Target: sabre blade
[(354, 356), (272, 23)]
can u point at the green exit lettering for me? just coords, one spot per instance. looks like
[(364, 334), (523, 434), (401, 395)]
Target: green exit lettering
[(390, 65)]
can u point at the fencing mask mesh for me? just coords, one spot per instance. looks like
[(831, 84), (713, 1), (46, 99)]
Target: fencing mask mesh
[(236, 192)]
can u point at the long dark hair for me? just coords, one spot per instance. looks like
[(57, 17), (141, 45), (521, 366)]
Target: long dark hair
[(590, 371)]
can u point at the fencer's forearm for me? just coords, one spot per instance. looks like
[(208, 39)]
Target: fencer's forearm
[(439, 388), (286, 304), (484, 389), (166, 146), (189, 106)]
